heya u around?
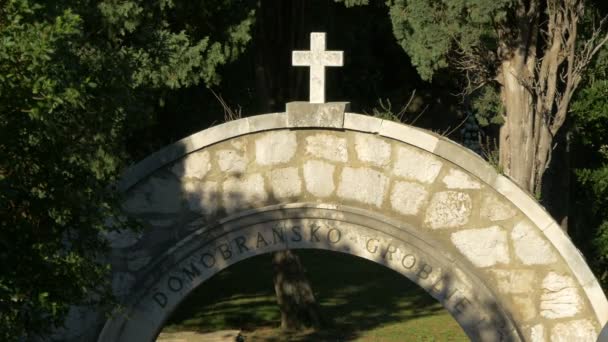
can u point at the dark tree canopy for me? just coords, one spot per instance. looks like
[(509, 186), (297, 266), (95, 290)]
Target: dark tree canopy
[(76, 77)]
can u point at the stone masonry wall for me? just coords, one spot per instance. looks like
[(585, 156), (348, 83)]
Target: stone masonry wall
[(362, 170)]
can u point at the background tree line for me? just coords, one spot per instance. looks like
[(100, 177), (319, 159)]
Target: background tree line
[(89, 87)]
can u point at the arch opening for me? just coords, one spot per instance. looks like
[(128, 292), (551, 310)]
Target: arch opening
[(399, 247), (357, 298)]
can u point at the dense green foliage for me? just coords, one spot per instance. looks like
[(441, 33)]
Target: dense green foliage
[(590, 117), (76, 77), (439, 34), (432, 30)]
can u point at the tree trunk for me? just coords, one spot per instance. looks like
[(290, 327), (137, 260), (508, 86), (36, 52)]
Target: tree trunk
[(517, 150), (295, 297), (536, 92)]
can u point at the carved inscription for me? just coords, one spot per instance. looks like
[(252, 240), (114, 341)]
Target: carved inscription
[(251, 242), (398, 255)]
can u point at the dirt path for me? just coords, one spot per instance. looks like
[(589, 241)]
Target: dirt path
[(192, 336)]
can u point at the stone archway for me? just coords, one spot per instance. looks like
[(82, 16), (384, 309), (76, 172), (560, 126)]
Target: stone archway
[(317, 177), (400, 247)]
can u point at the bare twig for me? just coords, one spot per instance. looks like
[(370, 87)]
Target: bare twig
[(455, 128), (229, 114)]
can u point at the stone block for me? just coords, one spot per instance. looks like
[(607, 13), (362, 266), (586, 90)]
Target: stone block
[(466, 159), (202, 197), (362, 123), (418, 137), (578, 330), (456, 179), (495, 209), (523, 201), (241, 193), (448, 209), (319, 178), (483, 247), (231, 161), (194, 165), (514, 281), (408, 198), (363, 185), (157, 195), (559, 297), (416, 165), (530, 246), (122, 238), (327, 146), (122, 283), (526, 307), (275, 147), (537, 333), (267, 122), (285, 182), (373, 150), (580, 269), (138, 260), (305, 114)]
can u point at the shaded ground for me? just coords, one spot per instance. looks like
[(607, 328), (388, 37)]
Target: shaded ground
[(361, 300)]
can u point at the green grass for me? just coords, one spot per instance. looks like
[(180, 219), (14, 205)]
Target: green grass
[(361, 300)]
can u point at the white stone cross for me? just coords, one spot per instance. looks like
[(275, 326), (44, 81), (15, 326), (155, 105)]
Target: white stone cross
[(317, 59)]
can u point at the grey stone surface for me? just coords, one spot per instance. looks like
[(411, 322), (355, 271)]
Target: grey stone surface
[(483, 247), (508, 203), (285, 182), (194, 165), (409, 135), (523, 201), (416, 165), (456, 179), (408, 198), (526, 307), (448, 209), (275, 147), (373, 150), (327, 146), (232, 161), (304, 114), (335, 229), (363, 184), (576, 263), (122, 238), (579, 330), (495, 209), (122, 283), (157, 195), (537, 333), (241, 193), (266, 122), (514, 280), (530, 247), (362, 123), (560, 297), (319, 178), (138, 260), (202, 197)]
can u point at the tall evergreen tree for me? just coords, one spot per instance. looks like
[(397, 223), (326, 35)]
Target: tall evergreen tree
[(524, 58), (76, 78)]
